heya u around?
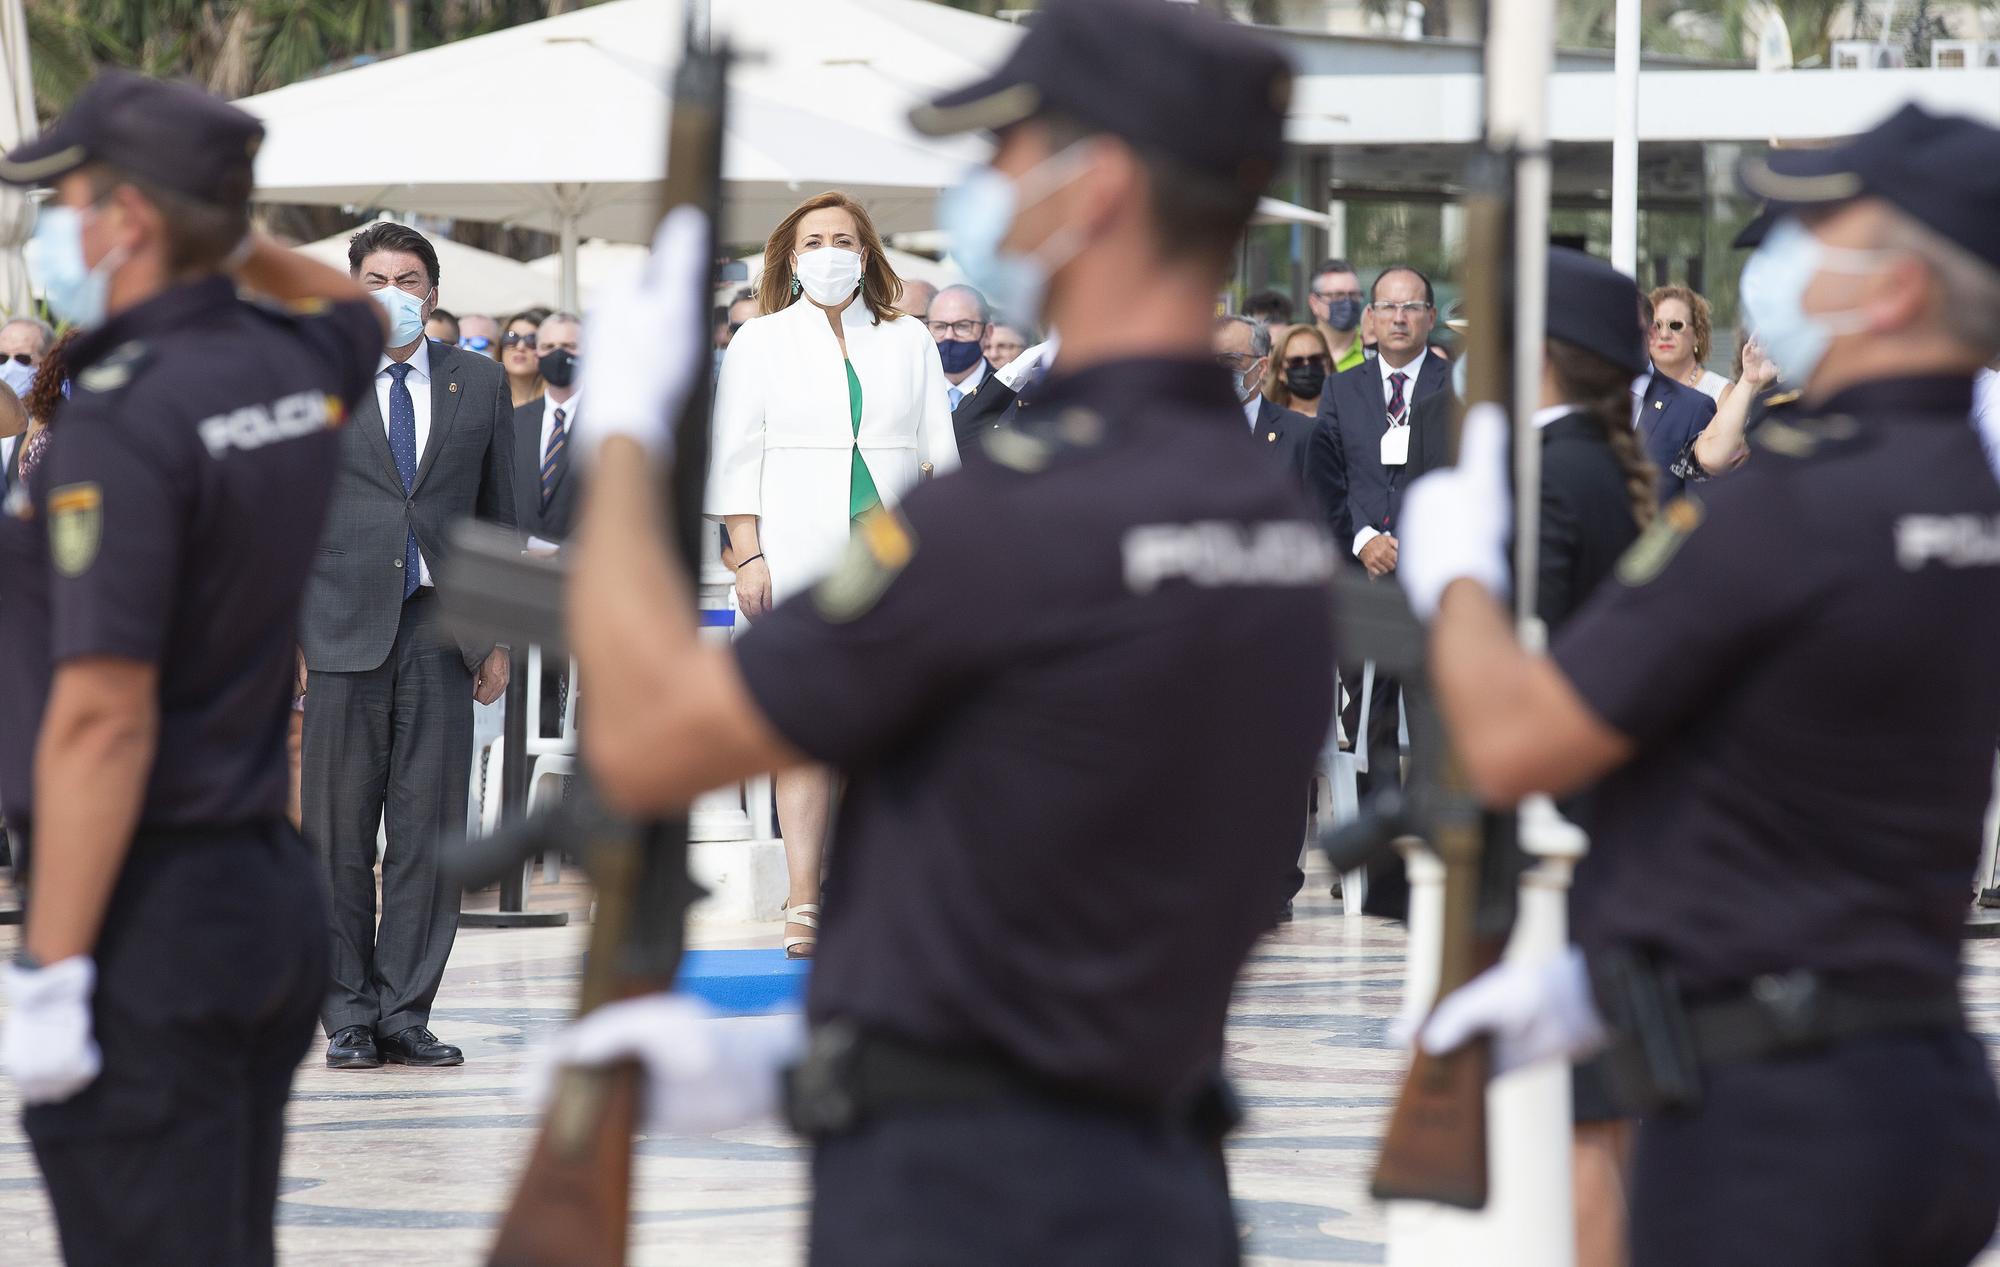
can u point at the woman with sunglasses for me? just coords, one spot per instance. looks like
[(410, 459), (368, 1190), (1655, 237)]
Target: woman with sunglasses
[(1680, 340), (519, 357), (1297, 376)]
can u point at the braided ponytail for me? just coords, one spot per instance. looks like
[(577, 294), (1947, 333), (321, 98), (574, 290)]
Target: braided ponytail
[(1604, 391)]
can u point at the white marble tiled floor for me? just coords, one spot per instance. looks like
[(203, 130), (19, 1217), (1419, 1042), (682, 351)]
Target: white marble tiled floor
[(415, 1164)]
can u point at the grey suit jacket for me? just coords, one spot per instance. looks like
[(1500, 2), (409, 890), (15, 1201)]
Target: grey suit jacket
[(354, 602)]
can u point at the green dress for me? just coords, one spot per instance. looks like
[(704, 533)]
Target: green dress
[(861, 494)]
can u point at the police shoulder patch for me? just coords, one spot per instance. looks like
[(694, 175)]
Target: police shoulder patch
[(115, 370), (76, 527), (1662, 540), (879, 549)]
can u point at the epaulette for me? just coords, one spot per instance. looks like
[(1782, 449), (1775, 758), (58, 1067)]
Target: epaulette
[(1037, 442), (1803, 438), (116, 370)]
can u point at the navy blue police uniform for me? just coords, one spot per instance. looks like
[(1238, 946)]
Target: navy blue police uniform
[(1070, 792), (173, 522), (1793, 861)]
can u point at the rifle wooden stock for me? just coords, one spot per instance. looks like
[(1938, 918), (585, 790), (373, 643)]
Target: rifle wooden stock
[(1436, 1148), (573, 1208)]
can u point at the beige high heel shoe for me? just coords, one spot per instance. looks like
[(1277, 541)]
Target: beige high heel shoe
[(805, 915)]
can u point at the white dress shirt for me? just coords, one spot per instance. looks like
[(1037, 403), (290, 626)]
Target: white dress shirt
[(957, 392), (1409, 373), (1251, 408), (1639, 386), (418, 380), (1986, 413), (1549, 413), (549, 406)]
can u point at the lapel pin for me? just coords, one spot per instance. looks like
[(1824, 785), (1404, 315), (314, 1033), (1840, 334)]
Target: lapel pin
[(453, 389), (1272, 438), (1658, 404)]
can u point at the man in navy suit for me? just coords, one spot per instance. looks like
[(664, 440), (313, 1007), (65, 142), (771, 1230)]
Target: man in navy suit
[(1243, 347), (1668, 416), (1381, 424)]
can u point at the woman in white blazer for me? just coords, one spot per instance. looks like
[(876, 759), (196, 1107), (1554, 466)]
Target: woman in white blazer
[(829, 405)]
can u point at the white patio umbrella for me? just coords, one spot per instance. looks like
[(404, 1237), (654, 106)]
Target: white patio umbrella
[(568, 118), (469, 280), (17, 124)]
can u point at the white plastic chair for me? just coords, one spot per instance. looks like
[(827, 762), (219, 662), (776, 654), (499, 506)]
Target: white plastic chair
[(550, 760)]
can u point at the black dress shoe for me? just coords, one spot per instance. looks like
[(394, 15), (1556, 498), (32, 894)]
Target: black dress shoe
[(418, 1046), (353, 1048), (1285, 912)]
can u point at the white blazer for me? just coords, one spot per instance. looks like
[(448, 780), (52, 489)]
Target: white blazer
[(784, 442)]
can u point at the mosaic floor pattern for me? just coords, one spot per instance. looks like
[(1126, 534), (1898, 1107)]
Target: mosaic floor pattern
[(414, 1164)]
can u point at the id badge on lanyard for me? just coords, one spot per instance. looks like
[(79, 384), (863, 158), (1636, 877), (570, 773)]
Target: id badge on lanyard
[(1396, 445)]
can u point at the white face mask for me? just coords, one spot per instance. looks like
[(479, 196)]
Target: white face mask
[(829, 274)]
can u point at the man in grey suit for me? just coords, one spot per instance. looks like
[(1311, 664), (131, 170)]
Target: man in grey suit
[(388, 709)]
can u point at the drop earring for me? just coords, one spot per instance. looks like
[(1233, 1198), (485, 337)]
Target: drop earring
[(795, 288)]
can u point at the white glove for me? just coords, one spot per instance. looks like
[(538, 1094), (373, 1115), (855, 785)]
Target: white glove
[(642, 346), (1455, 521), (704, 1073), (47, 1048), (1535, 1010)]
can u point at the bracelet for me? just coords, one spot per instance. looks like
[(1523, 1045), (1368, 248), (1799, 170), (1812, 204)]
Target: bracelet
[(752, 559)]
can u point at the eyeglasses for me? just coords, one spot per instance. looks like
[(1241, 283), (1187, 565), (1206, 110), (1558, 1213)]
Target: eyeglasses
[(1675, 326), (956, 329), (1329, 296), (1384, 308), (1233, 360), (518, 340), (1300, 362), (734, 326), (22, 358), (475, 343)]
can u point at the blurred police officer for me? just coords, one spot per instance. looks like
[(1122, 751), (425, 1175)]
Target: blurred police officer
[(1790, 695), (1071, 795), (175, 950)]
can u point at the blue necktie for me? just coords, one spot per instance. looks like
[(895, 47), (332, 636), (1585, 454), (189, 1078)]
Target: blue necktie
[(403, 445), (956, 396)]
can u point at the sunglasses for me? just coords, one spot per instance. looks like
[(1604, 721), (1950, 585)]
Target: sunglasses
[(1675, 326), (22, 358), (475, 343), (734, 326), (1300, 362), (517, 340)]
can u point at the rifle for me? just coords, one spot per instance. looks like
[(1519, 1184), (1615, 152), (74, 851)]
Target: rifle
[(1435, 1148), (573, 1203)]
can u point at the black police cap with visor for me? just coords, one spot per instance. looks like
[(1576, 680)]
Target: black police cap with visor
[(1596, 307), (173, 135), (1169, 79), (1941, 170)]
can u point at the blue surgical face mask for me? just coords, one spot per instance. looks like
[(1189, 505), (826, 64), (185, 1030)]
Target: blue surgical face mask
[(406, 315), (958, 355), (1773, 292), (76, 292), (17, 376), (977, 214)]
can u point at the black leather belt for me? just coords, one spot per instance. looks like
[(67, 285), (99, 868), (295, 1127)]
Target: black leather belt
[(1797, 1011), (850, 1076)]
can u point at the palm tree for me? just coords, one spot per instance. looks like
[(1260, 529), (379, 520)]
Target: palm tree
[(236, 47)]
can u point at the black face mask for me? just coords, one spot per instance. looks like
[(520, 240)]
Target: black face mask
[(559, 367), (1304, 381)]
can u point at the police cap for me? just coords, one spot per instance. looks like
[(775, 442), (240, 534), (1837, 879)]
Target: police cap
[(1941, 170), (1169, 79), (174, 135), (1596, 307)]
